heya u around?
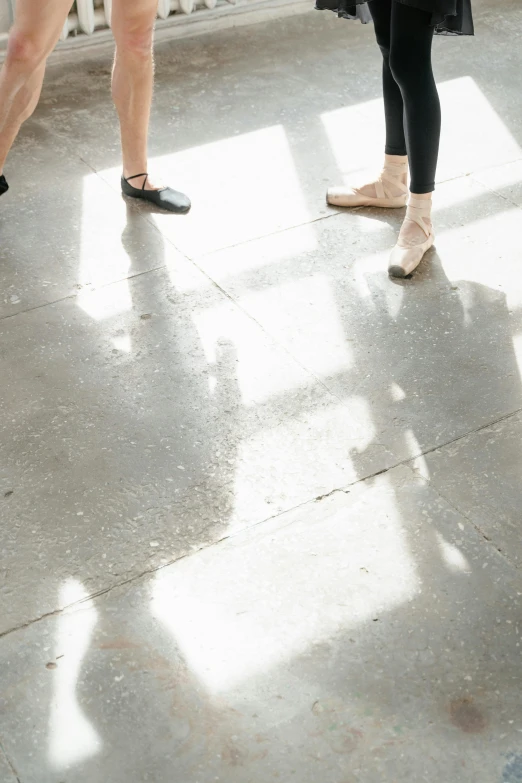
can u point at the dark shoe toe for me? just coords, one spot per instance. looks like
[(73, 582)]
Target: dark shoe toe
[(173, 200)]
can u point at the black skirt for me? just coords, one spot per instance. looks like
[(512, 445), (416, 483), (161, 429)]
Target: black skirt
[(449, 17)]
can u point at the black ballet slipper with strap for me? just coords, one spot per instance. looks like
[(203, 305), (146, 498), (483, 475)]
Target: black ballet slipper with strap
[(4, 187), (165, 198)]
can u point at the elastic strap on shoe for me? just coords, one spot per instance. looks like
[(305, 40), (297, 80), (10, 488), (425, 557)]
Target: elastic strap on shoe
[(419, 211), (391, 174), (136, 176)]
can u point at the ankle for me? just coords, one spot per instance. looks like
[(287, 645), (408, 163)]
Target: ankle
[(396, 160), (422, 196), (423, 204), (131, 171), (396, 166)]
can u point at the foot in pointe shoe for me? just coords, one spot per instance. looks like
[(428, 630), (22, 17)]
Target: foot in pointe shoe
[(389, 190), (415, 239)]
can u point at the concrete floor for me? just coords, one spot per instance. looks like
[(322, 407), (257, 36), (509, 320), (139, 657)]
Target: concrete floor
[(260, 505)]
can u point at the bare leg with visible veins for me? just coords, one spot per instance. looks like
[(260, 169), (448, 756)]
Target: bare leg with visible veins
[(32, 38), (37, 28)]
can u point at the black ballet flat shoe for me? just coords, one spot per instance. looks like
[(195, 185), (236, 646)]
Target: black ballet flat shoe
[(4, 187), (165, 198)]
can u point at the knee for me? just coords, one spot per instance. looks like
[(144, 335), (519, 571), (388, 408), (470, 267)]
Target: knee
[(24, 52), (401, 67), (383, 42), (383, 37), (135, 42), (410, 68)]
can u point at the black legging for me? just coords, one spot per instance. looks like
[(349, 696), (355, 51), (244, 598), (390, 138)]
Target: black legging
[(411, 101)]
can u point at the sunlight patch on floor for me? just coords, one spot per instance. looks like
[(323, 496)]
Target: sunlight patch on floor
[(252, 366), (282, 591), (304, 313), (72, 737)]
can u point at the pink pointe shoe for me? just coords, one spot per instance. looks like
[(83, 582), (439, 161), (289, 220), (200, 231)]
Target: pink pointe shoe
[(390, 190), (406, 256)]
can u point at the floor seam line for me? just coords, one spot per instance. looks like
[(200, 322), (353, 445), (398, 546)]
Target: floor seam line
[(495, 192), (488, 541), (260, 237), (483, 168), (270, 336), (9, 762), (466, 435), (76, 295)]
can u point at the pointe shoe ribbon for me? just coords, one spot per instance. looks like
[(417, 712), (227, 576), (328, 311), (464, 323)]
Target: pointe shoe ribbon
[(404, 260), (390, 180)]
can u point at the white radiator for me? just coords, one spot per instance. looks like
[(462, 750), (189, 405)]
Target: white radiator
[(87, 16)]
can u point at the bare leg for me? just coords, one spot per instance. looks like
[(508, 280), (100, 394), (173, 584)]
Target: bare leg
[(132, 85), (37, 28), (132, 80)]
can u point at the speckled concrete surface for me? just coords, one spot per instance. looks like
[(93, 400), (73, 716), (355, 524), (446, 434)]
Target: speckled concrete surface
[(260, 505)]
